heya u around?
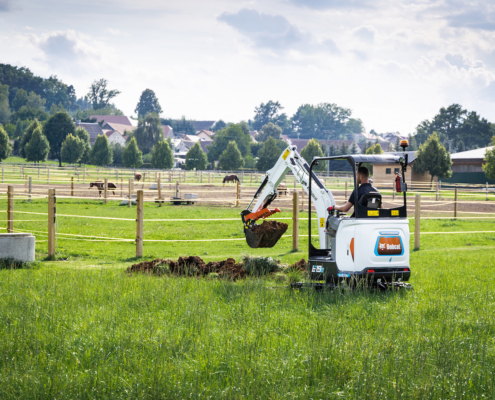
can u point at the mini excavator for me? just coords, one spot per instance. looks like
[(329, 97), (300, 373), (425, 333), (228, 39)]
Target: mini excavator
[(372, 244)]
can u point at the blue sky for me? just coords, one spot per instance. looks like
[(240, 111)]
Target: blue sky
[(393, 62)]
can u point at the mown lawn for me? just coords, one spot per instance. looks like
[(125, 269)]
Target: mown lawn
[(80, 327)]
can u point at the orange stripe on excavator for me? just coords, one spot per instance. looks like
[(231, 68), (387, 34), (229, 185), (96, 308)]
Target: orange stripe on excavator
[(352, 248), (261, 214)]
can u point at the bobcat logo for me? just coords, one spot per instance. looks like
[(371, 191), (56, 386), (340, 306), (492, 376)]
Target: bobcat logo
[(389, 246)]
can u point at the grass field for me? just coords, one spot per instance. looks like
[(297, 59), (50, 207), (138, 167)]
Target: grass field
[(80, 327)]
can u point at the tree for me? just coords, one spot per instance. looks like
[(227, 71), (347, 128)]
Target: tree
[(196, 158), (182, 125), (218, 125), (5, 148), (35, 102), (101, 153), (489, 166), (375, 149), (234, 133), (390, 147), (354, 126), (38, 147), (325, 120), (162, 156), (231, 158), (148, 103), (117, 152), (99, 95), (354, 149), (433, 158), (269, 130), (268, 155), (266, 113), (56, 129), (20, 99), (26, 137), (5, 112), (149, 132), (312, 150), (413, 146), (72, 149), (83, 135), (132, 156)]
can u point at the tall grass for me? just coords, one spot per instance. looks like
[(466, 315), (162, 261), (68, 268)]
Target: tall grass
[(99, 333)]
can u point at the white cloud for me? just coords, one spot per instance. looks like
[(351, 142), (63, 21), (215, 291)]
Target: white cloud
[(275, 32)]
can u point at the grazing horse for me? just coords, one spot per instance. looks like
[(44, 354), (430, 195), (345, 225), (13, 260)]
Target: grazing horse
[(101, 186), (137, 176), (230, 178)]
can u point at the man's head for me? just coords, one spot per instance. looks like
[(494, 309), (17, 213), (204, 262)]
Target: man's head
[(363, 175)]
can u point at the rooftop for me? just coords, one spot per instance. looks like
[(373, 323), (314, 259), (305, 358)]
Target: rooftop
[(471, 154), (117, 119)]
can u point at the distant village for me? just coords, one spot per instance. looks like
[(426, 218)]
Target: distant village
[(117, 127)]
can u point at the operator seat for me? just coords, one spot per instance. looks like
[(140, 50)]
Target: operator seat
[(371, 200)]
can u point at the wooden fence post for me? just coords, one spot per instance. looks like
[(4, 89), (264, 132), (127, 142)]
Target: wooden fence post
[(486, 191), (159, 191), (105, 191), (10, 209), (130, 193), (250, 179), (437, 193), (345, 195), (139, 224), (30, 189), (237, 193), (455, 204), (84, 175), (208, 177), (417, 226), (295, 221), (48, 175), (52, 215), (2, 174), (38, 174), (302, 200), (72, 186)]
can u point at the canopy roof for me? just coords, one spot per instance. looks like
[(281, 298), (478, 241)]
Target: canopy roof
[(387, 158)]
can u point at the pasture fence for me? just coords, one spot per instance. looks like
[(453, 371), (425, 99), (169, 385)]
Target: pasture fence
[(296, 206)]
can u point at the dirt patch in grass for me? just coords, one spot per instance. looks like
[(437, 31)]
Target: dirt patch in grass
[(191, 266)]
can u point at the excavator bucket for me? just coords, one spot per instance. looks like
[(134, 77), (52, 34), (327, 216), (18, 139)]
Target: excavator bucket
[(265, 235)]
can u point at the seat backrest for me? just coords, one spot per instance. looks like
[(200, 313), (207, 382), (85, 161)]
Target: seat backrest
[(371, 200)]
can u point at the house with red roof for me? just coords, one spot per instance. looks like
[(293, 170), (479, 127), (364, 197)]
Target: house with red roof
[(116, 119)]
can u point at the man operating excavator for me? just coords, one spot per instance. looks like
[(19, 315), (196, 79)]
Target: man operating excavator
[(362, 176)]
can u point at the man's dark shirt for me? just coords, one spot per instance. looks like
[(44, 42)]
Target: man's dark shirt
[(363, 189)]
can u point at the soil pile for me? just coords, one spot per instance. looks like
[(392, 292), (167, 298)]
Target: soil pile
[(191, 266), (265, 235), (301, 265), (155, 267)]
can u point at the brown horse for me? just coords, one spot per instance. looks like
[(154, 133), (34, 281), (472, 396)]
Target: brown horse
[(101, 186), (137, 176), (230, 178)]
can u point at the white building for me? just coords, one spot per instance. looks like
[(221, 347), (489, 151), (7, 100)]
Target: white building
[(115, 137)]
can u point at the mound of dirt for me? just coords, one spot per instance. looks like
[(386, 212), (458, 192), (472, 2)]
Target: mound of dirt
[(191, 266), (148, 267), (301, 265), (265, 235)]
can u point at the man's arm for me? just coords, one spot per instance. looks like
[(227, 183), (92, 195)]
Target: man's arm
[(345, 207)]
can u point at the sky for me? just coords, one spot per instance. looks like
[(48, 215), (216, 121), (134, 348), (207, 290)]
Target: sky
[(394, 63)]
